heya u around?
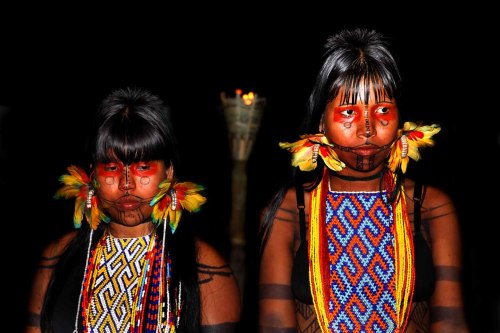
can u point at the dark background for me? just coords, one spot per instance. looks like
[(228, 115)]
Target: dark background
[(58, 63)]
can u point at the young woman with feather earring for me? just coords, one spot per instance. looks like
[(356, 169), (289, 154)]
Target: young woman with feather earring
[(132, 265), (351, 245)]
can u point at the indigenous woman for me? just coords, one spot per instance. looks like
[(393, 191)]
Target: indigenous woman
[(132, 265), (352, 245)]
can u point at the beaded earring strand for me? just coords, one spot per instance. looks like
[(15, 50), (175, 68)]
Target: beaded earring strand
[(172, 196), (167, 318)]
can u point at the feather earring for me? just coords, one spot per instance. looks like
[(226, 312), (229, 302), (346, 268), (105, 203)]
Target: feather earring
[(305, 152), (411, 137), (173, 198), (78, 185)]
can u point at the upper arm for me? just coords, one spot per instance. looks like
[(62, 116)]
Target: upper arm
[(439, 212), (276, 303), (48, 259), (219, 292)]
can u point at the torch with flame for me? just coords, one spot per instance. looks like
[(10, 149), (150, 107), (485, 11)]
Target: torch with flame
[(243, 114)]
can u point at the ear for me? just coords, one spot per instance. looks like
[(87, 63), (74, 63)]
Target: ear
[(321, 123), (170, 172), (92, 171)]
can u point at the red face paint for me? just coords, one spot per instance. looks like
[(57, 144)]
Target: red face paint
[(361, 132), (384, 111), (126, 190), (139, 169), (347, 113), (144, 169), (352, 113), (111, 169)]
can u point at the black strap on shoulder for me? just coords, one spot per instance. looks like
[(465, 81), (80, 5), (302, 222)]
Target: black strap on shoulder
[(417, 204), (301, 206)]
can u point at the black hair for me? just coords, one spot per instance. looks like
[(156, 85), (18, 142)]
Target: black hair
[(352, 58), (131, 125)]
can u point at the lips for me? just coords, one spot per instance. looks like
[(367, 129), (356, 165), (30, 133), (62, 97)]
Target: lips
[(128, 203), (366, 150)]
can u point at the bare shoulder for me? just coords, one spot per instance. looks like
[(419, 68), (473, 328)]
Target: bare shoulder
[(287, 207), (213, 268), (283, 225), (51, 254), (435, 201), (435, 196), (437, 204), (208, 255), (288, 210), (56, 248)]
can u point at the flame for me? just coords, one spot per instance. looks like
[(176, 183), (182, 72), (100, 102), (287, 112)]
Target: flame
[(247, 98)]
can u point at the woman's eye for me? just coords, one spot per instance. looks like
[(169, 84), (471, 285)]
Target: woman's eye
[(111, 168), (383, 110), (347, 113), (144, 167)]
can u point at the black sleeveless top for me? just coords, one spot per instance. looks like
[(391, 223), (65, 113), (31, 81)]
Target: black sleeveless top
[(424, 267)]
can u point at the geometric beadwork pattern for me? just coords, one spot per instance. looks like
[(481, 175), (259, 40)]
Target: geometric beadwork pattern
[(361, 262), (115, 283)]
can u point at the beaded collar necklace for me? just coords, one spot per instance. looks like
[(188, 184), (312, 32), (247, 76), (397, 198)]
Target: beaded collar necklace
[(356, 179)]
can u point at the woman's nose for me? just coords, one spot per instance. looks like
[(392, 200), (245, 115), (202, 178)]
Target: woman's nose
[(366, 128), (126, 180)]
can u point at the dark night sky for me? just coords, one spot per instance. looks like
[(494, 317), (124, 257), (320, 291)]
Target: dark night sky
[(54, 69)]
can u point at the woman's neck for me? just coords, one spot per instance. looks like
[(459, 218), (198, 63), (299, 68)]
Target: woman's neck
[(355, 181), (123, 231)]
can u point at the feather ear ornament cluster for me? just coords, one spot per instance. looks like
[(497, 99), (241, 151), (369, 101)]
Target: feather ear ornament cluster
[(305, 152), (173, 197), (78, 185), (410, 138)]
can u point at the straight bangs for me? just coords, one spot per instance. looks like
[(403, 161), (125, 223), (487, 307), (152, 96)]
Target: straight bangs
[(355, 84), (119, 141)]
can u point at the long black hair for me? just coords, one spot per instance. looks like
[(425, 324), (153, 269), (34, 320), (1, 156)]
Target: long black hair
[(131, 125), (352, 58)]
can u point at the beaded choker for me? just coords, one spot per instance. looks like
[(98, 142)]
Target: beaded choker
[(355, 179)]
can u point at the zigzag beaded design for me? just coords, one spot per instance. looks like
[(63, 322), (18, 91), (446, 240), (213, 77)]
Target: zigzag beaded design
[(361, 262), (116, 278)]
